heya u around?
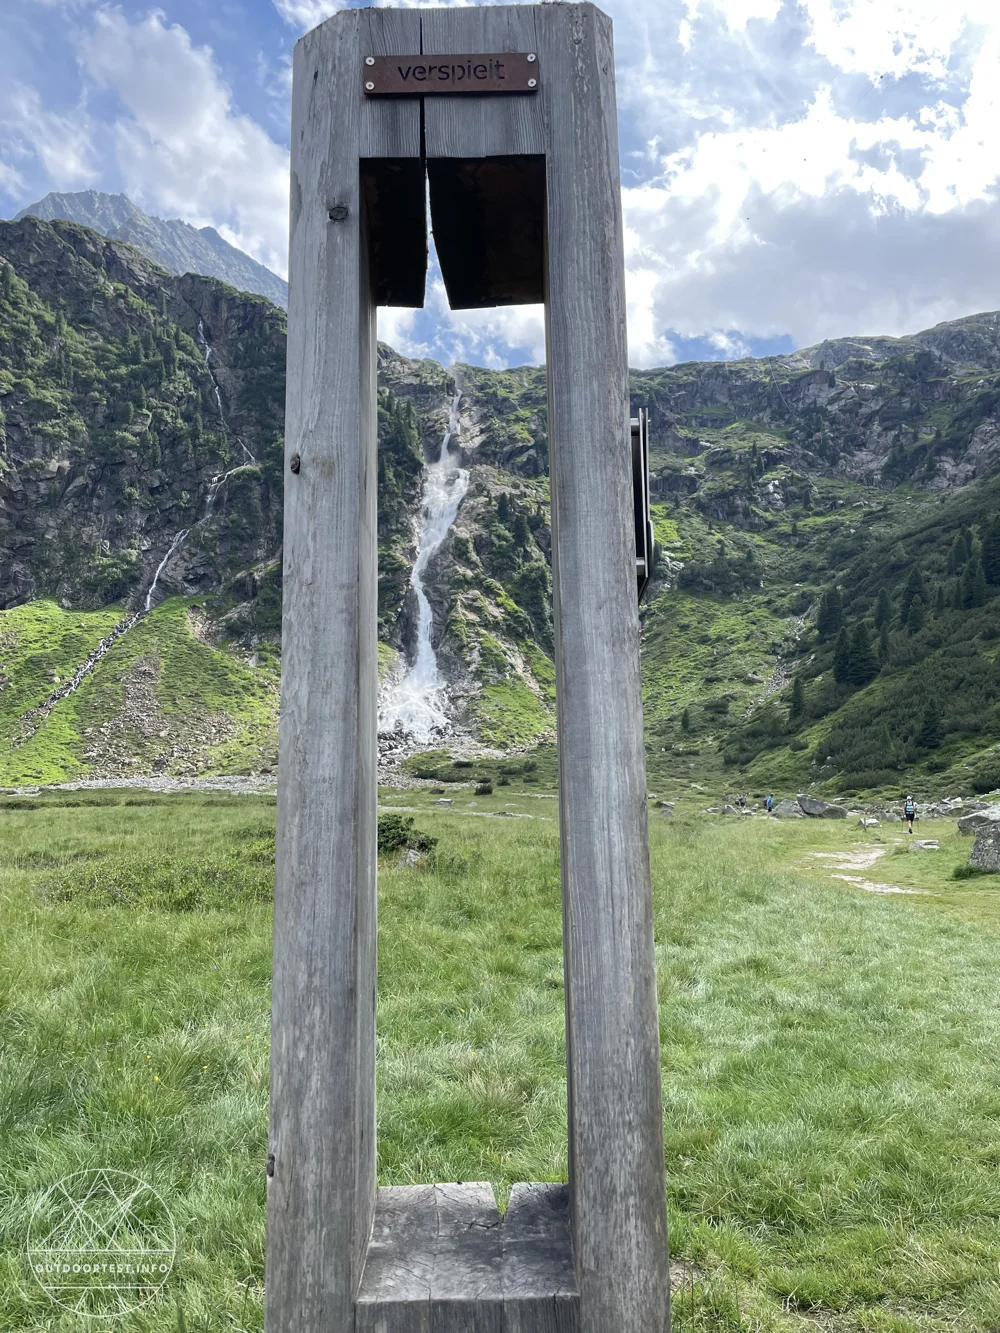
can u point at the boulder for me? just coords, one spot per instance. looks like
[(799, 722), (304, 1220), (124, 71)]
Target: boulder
[(444, 800), (818, 809), (923, 845), (667, 811), (868, 823), (729, 810), (990, 817), (789, 810), (986, 852)]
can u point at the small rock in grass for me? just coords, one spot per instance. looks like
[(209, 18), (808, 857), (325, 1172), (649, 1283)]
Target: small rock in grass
[(924, 845)]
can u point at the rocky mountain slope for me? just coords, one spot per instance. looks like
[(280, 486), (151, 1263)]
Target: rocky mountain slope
[(178, 246), (825, 606)]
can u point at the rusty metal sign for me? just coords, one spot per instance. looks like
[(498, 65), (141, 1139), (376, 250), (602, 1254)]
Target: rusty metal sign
[(423, 76)]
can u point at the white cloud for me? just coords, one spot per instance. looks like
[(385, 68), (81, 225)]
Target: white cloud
[(894, 37), (182, 146), (62, 143), (305, 14), (11, 179)]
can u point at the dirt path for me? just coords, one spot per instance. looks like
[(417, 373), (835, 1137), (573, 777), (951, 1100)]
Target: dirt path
[(863, 858)]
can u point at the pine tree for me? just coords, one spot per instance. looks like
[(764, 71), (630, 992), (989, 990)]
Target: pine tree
[(956, 595), (8, 279), (967, 585), (831, 614), (686, 720), (957, 555), (940, 605), (862, 662), (916, 616), (979, 585), (842, 658), (503, 507), (967, 540), (930, 727), (883, 609), (883, 644), (991, 552), (914, 588), (798, 705)]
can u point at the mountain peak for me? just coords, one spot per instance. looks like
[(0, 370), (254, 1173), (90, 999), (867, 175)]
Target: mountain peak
[(175, 244)]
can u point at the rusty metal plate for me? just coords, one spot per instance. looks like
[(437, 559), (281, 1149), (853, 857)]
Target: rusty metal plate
[(424, 76)]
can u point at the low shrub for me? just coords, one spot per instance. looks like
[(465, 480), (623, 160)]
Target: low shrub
[(396, 834)]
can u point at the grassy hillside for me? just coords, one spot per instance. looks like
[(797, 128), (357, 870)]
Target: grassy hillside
[(165, 698)]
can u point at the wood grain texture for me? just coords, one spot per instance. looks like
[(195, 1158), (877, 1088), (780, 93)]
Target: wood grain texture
[(441, 1260), (322, 1136), (539, 1279), (615, 1116), (483, 126)]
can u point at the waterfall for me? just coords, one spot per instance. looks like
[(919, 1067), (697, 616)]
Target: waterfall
[(177, 542), (418, 702), (214, 487), (218, 394), (34, 717)]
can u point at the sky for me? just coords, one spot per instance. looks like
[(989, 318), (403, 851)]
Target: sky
[(792, 170)]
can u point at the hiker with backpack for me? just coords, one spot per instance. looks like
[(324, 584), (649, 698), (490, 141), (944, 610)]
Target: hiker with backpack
[(910, 811)]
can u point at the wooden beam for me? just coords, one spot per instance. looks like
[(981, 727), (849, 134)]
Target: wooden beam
[(322, 1135), (615, 1113)]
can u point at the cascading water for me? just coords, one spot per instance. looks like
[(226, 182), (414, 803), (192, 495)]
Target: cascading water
[(218, 394), (417, 704), (180, 537), (177, 542)]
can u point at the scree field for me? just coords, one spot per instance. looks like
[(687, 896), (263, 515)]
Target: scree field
[(830, 1055)]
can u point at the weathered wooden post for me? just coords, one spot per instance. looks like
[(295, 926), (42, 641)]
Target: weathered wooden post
[(510, 112)]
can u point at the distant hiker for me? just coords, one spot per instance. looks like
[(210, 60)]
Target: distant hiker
[(741, 801), (770, 804), (910, 811)]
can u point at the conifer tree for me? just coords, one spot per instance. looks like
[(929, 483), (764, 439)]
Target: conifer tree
[(979, 585), (883, 609), (940, 605), (862, 662), (914, 588), (798, 705), (916, 616), (956, 595), (957, 555), (831, 614), (883, 643), (686, 720), (967, 584), (503, 507), (842, 658), (8, 279), (991, 552), (930, 727)]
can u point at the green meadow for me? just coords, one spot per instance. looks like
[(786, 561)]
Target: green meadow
[(830, 1056)]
